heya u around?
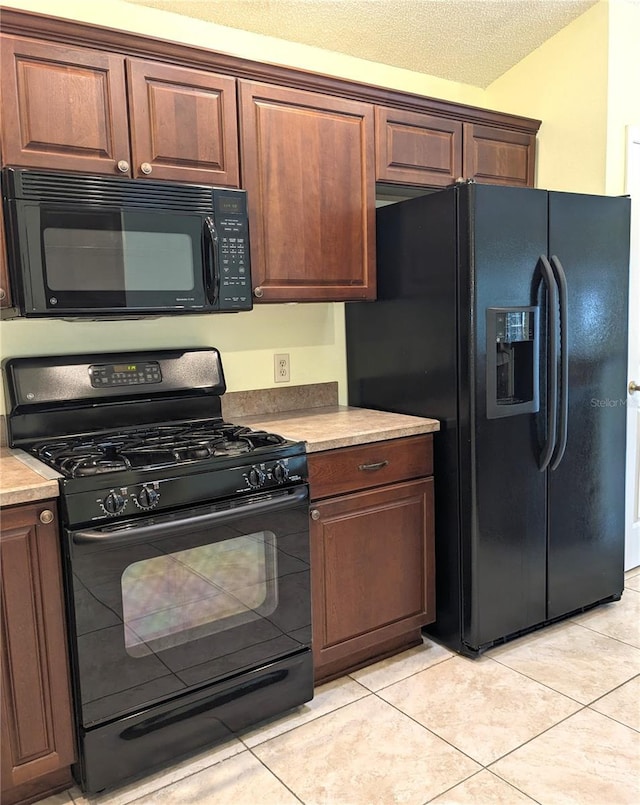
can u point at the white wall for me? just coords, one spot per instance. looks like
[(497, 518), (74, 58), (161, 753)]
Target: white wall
[(564, 83)]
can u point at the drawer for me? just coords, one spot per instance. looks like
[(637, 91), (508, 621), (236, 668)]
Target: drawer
[(348, 469)]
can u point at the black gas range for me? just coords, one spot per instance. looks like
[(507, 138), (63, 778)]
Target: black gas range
[(185, 543)]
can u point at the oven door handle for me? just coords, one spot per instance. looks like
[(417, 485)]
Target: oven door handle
[(177, 527)]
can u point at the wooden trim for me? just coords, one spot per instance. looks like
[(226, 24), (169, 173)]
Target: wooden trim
[(58, 30), (36, 790)]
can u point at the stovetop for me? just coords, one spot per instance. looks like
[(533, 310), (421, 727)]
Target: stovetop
[(137, 434), (151, 447)]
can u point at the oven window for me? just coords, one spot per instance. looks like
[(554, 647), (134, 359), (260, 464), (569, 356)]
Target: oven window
[(174, 599)]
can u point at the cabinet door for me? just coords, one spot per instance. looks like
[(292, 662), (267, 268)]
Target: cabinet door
[(63, 108), (183, 124), (37, 737), (308, 168), (373, 575), (418, 149), (499, 156)]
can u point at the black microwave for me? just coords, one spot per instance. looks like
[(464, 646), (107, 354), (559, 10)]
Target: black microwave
[(97, 246)]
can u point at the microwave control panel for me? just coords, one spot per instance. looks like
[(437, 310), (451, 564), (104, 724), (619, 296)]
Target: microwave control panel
[(233, 250)]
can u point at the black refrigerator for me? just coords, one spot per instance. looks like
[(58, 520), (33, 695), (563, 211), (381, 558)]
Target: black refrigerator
[(502, 312)]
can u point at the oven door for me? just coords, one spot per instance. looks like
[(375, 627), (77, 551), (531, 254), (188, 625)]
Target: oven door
[(165, 605)]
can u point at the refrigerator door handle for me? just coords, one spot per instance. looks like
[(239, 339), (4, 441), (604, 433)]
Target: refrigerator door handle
[(552, 362), (561, 280)]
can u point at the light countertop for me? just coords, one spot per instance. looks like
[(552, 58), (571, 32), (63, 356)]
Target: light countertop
[(340, 426), (20, 483), (324, 428)]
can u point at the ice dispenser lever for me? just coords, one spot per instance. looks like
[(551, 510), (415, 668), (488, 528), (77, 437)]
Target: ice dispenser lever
[(512, 361)]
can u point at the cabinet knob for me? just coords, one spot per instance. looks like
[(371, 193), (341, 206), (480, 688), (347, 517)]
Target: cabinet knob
[(315, 514), (3, 294), (146, 168), (46, 516), (123, 166), (258, 292)]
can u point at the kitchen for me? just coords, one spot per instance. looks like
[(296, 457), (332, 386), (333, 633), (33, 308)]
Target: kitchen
[(313, 335)]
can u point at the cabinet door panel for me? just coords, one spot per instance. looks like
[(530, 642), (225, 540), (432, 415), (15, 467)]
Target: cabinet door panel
[(183, 123), (499, 156), (418, 149), (36, 707), (308, 170), (63, 108), (373, 568)]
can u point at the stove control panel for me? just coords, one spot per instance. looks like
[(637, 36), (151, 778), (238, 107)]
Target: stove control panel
[(124, 374), (269, 474), (150, 493)]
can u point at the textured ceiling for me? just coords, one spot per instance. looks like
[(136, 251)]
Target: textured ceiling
[(472, 41)]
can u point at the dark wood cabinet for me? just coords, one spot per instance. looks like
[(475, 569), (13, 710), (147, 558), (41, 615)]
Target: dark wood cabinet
[(427, 150), (66, 109), (37, 745), (63, 108), (308, 168), (183, 124), (372, 552), (417, 149), (499, 156)]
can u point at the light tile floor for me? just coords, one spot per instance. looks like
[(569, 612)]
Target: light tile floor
[(551, 718)]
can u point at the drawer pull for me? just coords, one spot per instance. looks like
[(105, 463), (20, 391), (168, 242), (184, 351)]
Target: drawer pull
[(372, 467), (315, 514), (46, 516)]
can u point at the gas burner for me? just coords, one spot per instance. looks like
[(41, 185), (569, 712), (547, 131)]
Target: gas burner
[(93, 465), (229, 447), (152, 446)]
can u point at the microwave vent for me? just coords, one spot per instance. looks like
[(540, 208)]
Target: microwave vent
[(105, 191)]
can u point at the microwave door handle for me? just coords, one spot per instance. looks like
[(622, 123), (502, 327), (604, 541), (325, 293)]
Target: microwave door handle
[(211, 267)]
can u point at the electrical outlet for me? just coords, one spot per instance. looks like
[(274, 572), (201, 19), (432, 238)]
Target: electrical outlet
[(281, 368)]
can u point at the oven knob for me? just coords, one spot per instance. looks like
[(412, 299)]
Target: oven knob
[(148, 497), (113, 503), (255, 477), (280, 472)]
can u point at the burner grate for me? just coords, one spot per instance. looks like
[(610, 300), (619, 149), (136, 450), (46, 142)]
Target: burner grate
[(148, 447)]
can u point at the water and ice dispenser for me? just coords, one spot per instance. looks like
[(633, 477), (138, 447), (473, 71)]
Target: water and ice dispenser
[(512, 361)]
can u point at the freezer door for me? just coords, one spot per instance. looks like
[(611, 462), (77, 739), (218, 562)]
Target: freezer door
[(502, 491), (590, 236)]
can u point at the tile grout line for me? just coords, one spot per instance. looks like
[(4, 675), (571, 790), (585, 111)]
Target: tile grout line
[(402, 679), (604, 634), (273, 774), (559, 692), (310, 721)]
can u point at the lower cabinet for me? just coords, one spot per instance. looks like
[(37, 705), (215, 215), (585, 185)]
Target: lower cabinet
[(36, 740), (372, 555)]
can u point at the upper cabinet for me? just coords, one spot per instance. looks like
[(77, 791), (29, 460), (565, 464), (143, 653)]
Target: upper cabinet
[(423, 149), (66, 109), (183, 124), (308, 168), (499, 156), (418, 149)]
